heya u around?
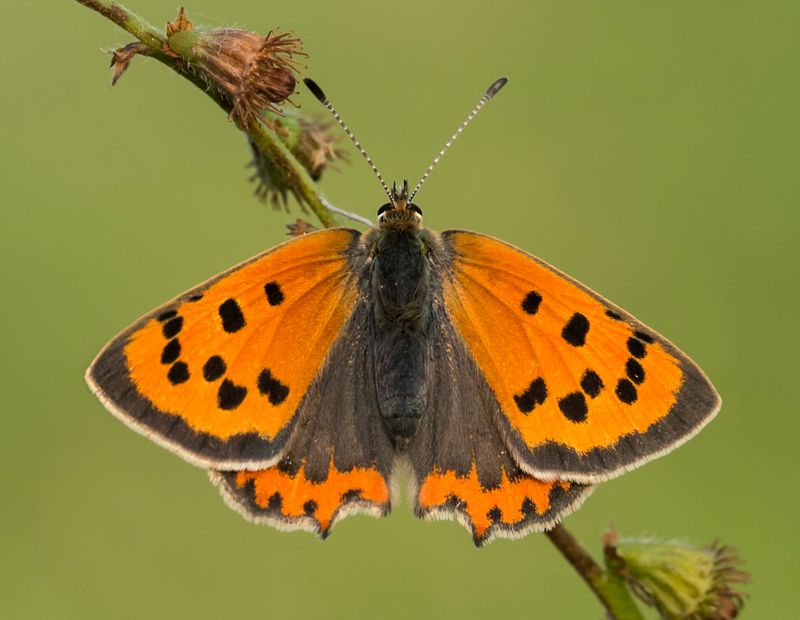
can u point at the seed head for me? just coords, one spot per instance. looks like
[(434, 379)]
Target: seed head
[(254, 72), (310, 140)]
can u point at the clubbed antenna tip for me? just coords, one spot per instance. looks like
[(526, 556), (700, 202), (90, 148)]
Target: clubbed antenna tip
[(496, 86), (490, 92), (317, 91), (487, 95)]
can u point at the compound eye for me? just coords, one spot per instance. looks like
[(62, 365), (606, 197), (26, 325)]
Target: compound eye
[(385, 208), (415, 208)]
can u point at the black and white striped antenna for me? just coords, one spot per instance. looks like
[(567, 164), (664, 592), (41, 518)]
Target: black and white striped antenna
[(490, 92), (317, 92)]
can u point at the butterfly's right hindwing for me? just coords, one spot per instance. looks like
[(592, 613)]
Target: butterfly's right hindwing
[(463, 469)]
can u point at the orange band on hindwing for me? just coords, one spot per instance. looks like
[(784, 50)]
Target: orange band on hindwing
[(287, 498), (516, 505)]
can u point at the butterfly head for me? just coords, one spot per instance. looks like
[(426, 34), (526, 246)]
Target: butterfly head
[(400, 211)]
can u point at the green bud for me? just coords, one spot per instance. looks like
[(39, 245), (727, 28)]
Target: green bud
[(680, 580)]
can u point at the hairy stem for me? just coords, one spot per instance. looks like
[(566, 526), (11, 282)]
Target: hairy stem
[(266, 140), (609, 588)]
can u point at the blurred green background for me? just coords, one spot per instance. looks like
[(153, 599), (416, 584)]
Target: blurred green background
[(648, 149)]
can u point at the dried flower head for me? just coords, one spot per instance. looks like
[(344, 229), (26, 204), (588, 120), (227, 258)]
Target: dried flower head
[(317, 147), (254, 72), (310, 140), (680, 580)]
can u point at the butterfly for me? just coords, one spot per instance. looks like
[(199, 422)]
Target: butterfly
[(302, 377)]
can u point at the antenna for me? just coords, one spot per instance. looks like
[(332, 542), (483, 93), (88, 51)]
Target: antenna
[(490, 92), (317, 92)]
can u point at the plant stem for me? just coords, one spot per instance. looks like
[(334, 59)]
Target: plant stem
[(281, 156), (609, 588), (266, 140)]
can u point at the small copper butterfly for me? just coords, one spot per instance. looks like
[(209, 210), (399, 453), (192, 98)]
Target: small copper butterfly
[(301, 377)]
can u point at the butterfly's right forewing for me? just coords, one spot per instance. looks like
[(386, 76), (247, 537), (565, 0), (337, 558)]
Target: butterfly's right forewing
[(587, 392)]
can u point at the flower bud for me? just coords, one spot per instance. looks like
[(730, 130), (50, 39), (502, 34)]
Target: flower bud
[(680, 580)]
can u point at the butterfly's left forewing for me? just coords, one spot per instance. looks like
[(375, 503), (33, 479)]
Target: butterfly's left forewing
[(586, 391), (218, 374)]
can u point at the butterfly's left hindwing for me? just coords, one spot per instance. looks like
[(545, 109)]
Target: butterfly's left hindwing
[(339, 457), (586, 391), (217, 375)]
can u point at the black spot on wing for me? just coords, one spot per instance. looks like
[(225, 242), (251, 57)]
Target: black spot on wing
[(634, 371), (574, 407), (289, 466), (231, 315), (270, 387), (528, 508), (645, 337), (613, 315), (178, 373), (171, 351), (636, 348), (534, 395), (495, 515), (626, 392), (531, 302), (575, 330), (454, 502), (351, 495), (166, 316), (310, 507), (230, 395), (172, 327), (591, 383), (214, 368), (274, 293), (275, 502)]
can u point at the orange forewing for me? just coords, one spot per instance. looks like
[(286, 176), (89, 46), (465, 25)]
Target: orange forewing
[(512, 347), (290, 339)]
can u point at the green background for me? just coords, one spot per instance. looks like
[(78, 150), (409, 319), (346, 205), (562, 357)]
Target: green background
[(648, 149)]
